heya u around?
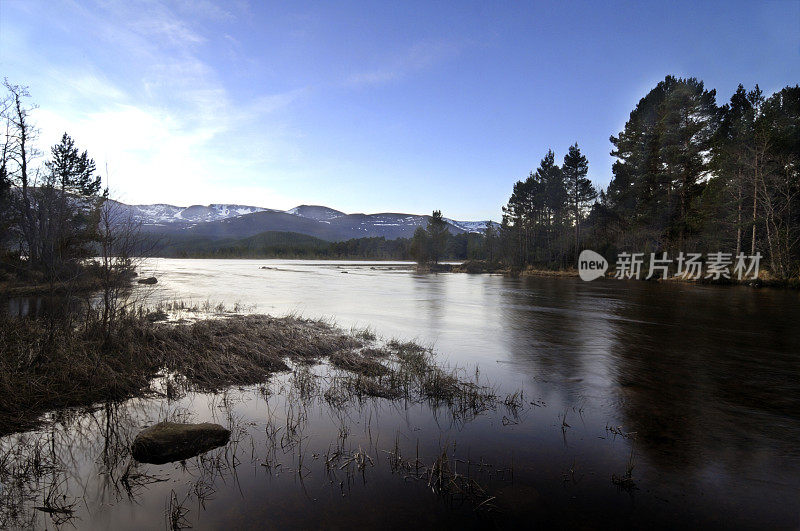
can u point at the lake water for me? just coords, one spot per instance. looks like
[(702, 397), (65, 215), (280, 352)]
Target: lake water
[(695, 387)]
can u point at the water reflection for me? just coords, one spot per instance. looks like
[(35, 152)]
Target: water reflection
[(706, 378), (712, 374), (41, 306)]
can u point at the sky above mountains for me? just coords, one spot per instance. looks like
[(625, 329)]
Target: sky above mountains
[(367, 107)]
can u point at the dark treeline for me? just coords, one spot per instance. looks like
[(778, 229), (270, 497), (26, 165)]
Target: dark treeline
[(689, 176), (274, 244)]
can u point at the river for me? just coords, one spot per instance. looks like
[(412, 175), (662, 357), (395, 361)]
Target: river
[(694, 388)]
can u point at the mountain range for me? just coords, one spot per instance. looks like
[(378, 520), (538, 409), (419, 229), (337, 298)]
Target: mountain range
[(226, 221)]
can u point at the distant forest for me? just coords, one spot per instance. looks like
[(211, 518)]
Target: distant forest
[(273, 244)]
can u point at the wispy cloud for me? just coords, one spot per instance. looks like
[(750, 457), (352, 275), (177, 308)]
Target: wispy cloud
[(274, 102), (209, 10), (420, 56)]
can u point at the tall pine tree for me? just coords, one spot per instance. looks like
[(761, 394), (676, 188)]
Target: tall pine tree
[(661, 161), (437, 235), (579, 188), (72, 171)]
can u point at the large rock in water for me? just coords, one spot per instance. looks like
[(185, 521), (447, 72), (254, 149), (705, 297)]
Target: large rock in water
[(148, 280), (171, 441)]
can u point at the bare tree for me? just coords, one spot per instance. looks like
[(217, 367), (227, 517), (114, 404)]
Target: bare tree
[(18, 154), (122, 249)]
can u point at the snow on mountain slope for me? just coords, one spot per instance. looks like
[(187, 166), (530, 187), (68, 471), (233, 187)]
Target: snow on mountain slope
[(160, 214), (173, 218), (315, 212), (472, 226)]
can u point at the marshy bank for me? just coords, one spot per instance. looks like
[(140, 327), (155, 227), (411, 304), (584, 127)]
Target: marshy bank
[(45, 366), (65, 389)]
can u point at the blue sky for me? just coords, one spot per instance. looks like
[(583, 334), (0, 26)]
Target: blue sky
[(367, 107)]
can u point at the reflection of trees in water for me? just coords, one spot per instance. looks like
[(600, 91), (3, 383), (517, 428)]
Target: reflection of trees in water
[(41, 306), (431, 293), (707, 374), (698, 372), (548, 334)]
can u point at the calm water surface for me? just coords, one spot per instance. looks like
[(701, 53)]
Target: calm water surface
[(696, 387)]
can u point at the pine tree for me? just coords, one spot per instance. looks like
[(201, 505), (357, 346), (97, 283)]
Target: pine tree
[(777, 143), (730, 154), (556, 202), (522, 217), (68, 203), (420, 246), (437, 235), (686, 125), (661, 160), (536, 215), (579, 188), (72, 171)]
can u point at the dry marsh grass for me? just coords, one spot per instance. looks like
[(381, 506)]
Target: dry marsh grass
[(322, 366), (45, 367)]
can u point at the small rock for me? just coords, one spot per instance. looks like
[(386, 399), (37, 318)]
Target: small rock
[(148, 280), (170, 441)]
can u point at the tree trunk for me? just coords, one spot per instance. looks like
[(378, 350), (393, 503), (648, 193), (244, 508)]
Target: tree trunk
[(577, 219), (739, 222), (739, 217), (755, 207)]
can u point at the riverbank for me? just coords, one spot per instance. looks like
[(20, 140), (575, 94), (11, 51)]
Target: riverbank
[(85, 277), (20, 288), (481, 267)]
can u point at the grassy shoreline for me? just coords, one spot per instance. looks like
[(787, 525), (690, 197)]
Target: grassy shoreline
[(481, 267)]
